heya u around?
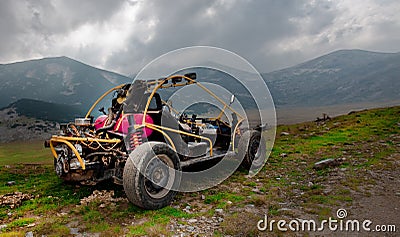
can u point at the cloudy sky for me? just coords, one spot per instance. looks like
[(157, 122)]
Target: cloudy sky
[(123, 36)]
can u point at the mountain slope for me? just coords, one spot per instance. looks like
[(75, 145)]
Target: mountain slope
[(46, 111), (341, 77), (58, 80)]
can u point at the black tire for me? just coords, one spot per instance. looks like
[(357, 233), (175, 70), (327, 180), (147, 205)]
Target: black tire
[(252, 148), (150, 158)]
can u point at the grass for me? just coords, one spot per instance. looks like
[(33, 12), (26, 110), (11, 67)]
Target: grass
[(287, 182), (24, 152)]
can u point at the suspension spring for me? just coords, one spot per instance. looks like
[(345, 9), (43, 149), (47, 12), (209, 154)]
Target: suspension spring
[(136, 139)]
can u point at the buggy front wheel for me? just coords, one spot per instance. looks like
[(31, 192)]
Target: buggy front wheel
[(150, 175)]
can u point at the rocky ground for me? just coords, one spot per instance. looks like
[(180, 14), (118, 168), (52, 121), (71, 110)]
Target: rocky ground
[(14, 127)]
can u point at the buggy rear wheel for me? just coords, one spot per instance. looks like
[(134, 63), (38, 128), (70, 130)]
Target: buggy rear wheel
[(252, 148), (150, 176)]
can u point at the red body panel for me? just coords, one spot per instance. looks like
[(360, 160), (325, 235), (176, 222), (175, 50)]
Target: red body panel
[(123, 128)]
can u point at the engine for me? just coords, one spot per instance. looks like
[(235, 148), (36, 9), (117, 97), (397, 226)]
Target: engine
[(102, 160)]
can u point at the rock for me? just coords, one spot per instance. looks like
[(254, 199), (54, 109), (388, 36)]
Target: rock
[(220, 219), (192, 220), (11, 183), (229, 202), (284, 209), (3, 226), (285, 134), (74, 231), (310, 184), (203, 197), (283, 155), (29, 234), (219, 210), (398, 194), (190, 228), (14, 200), (187, 208), (31, 225), (103, 197), (326, 163), (249, 206)]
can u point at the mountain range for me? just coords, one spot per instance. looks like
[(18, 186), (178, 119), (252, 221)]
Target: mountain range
[(340, 77), (56, 80)]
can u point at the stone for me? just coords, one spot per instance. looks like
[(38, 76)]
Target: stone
[(219, 210), (283, 155), (29, 234), (284, 209), (285, 134), (74, 231), (326, 163), (203, 197), (11, 183), (192, 220)]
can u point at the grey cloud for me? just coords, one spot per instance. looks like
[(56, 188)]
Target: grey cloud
[(271, 34), (242, 27), (28, 26)]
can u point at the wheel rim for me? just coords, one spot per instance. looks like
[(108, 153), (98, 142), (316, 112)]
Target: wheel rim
[(159, 176)]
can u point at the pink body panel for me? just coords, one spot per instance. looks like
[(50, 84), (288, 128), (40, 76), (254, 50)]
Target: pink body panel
[(123, 128)]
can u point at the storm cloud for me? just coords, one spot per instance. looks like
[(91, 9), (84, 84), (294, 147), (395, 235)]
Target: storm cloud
[(123, 36)]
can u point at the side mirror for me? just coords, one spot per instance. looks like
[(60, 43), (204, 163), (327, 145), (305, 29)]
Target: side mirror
[(232, 99)]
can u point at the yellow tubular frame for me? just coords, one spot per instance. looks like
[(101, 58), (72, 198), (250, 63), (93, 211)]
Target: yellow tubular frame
[(182, 132), (67, 141), (189, 82), (102, 97), (234, 131)]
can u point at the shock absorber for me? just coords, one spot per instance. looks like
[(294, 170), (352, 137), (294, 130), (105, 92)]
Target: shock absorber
[(136, 139)]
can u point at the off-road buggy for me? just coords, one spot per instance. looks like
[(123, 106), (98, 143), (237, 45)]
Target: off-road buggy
[(141, 134)]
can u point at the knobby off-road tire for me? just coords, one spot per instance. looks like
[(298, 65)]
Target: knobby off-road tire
[(252, 147), (146, 159)]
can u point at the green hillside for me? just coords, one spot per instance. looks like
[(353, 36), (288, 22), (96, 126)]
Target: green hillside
[(365, 145), (46, 111)]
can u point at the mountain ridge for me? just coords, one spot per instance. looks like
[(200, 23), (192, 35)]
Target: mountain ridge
[(340, 77), (56, 80)]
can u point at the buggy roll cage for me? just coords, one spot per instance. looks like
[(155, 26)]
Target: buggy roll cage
[(153, 86)]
